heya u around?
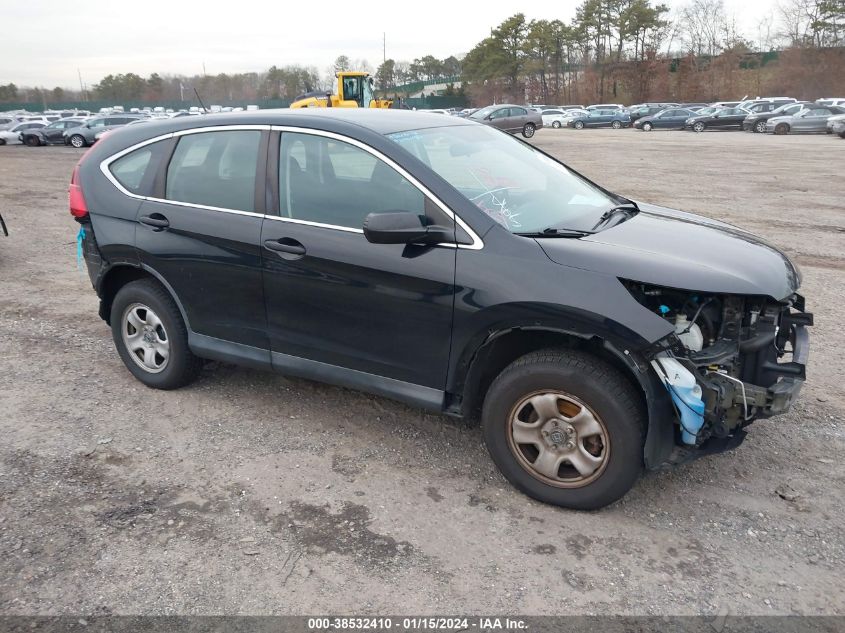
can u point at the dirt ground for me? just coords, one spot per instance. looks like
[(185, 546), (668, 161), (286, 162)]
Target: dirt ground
[(252, 493)]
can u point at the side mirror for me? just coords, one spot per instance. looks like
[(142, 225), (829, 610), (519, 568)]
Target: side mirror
[(403, 227)]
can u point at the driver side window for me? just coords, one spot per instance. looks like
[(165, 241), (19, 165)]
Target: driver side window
[(335, 183)]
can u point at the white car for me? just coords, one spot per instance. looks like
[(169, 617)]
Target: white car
[(831, 101), (12, 136), (559, 118)]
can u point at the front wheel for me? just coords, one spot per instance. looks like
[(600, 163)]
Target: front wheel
[(151, 337), (565, 428), (760, 127), (31, 141), (647, 127), (578, 125), (782, 128), (2, 141), (616, 125), (528, 130), (78, 141), (698, 127), (556, 124)]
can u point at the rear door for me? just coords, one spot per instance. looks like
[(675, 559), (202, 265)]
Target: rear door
[(359, 311), (201, 231), (814, 120)]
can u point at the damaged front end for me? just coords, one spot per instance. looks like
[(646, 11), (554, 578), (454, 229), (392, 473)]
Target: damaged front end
[(731, 359)]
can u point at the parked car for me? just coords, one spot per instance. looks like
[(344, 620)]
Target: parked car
[(831, 101), (510, 118), (455, 269), (614, 118), (605, 106), (756, 121), (812, 119), (695, 107), (765, 104), (51, 134), (720, 119), (669, 119), (12, 136), (836, 125), (726, 104), (558, 118), (647, 109), (86, 134)]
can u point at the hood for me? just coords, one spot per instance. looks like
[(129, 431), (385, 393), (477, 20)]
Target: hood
[(782, 117), (681, 250)]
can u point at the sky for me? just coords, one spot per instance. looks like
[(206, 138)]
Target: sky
[(44, 42)]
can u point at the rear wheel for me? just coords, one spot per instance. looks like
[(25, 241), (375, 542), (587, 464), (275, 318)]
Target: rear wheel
[(698, 126), (565, 428), (528, 130), (556, 124), (760, 127), (647, 127), (77, 140), (578, 125), (151, 336), (782, 128), (616, 125)]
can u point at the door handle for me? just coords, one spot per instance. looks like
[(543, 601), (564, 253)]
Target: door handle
[(155, 220), (285, 245)]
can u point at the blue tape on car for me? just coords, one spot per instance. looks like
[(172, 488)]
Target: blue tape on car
[(79, 237)]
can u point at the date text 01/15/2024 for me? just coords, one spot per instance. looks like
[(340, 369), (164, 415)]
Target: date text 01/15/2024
[(430, 623)]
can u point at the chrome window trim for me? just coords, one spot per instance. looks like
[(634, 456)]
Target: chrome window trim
[(477, 243)]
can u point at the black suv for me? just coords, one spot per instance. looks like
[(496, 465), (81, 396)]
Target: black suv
[(443, 263)]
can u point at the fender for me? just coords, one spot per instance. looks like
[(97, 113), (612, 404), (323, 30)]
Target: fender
[(659, 440)]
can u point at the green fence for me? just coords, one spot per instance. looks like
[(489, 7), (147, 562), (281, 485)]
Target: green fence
[(94, 106)]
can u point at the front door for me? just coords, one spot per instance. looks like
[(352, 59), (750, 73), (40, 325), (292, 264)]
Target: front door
[(338, 307)]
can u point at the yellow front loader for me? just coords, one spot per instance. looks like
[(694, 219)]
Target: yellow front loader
[(354, 90)]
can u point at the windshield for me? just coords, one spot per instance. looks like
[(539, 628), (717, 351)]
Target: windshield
[(519, 187), (707, 110), (483, 112)]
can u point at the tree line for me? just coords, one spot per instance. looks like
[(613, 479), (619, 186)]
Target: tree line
[(621, 50)]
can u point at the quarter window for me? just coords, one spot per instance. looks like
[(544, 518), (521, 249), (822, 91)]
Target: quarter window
[(336, 183), (215, 169), (130, 170)]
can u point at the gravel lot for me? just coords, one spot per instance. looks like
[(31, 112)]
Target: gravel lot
[(252, 493)]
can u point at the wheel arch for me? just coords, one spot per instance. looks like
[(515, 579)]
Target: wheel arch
[(117, 276), (503, 347)]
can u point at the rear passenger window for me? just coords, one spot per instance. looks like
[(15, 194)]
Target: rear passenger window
[(215, 169)]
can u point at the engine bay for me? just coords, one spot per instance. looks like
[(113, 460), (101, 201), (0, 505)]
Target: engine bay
[(731, 359)]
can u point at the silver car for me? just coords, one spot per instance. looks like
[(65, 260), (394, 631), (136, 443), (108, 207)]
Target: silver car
[(809, 120), (836, 125), (12, 136)]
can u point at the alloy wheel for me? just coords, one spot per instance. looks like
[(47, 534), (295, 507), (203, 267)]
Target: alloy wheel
[(145, 338), (760, 127), (558, 439), (77, 141)]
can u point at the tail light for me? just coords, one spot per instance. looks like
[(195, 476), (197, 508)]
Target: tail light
[(76, 200)]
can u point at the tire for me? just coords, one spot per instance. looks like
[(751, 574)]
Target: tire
[(78, 141), (698, 126), (556, 124), (647, 127), (842, 135), (528, 130), (578, 125), (782, 128), (616, 125), (163, 330), (576, 384), (32, 141), (2, 141), (760, 127)]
